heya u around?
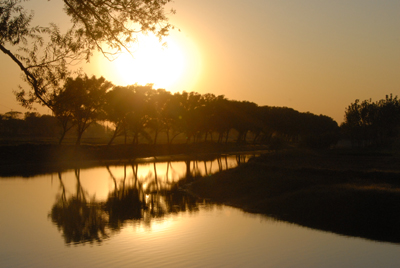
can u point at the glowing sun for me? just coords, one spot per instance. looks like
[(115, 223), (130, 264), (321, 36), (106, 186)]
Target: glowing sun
[(151, 62)]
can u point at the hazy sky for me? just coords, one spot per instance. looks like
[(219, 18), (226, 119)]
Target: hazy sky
[(310, 55)]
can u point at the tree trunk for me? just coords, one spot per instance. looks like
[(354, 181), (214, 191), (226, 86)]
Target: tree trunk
[(155, 137), (135, 140), (116, 132), (112, 139), (255, 137), (220, 136), (78, 140), (167, 136), (245, 136), (227, 136), (62, 137)]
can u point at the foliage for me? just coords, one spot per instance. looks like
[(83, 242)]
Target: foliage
[(128, 109), (373, 123), (81, 102), (140, 110), (142, 113), (33, 125), (44, 54)]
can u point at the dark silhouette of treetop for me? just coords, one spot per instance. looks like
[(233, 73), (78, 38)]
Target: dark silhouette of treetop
[(373, 123), (81, 102)]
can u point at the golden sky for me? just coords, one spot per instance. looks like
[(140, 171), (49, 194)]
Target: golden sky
[(310, 55)]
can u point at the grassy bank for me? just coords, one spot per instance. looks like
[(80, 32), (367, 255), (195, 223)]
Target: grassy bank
[(349, 193)]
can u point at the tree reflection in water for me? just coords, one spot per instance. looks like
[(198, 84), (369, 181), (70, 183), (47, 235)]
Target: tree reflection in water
[(83, 219), (80, 220)]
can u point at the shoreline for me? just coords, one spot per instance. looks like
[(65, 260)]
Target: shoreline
[(319, 190), (29, 160)]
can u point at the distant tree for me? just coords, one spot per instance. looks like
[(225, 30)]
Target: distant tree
[(36, 125), (388, 120), (49, 126), (32, 124), (13, 115), (173, 116), (189, 121), (158, 112), (373, 123), (206, 115), (318, 131), (138, 118), (12, 124), (222, 121), (119, 103), (282, 122), (244, 115), (61, 107), (82, 101)]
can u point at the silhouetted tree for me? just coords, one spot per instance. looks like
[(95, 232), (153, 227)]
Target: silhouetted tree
[(62, 111), (138, 117), (39, 126), (119, 103), (318, 131), (223, 120), (81, 101), (372, 123), (12, 124), (158, 112), (187, 113)]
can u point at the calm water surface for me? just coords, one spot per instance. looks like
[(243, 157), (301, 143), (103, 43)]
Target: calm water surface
[(135, 216)]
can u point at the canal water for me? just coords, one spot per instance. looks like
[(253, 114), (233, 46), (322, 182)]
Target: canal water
[(136, 215)]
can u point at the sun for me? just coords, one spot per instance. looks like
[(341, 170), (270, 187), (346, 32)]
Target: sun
[(176, 67), (151, 62)]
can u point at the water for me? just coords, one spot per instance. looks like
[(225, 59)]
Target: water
[(135, 216)]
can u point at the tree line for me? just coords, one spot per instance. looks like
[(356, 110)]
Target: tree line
[(34, 126), (369, 123), (44, 55), (142, 113)]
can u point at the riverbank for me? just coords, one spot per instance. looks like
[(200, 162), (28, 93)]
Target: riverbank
[(32, 159), (356, 194)]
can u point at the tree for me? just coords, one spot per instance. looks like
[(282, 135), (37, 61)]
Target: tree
[(12, 123), (318, 131), (82, 100), (44, 54), (158, 109), (373, 123), (119, 103), (63, 112), (13, 115), (138, 117), (222, 121), (187, 120)]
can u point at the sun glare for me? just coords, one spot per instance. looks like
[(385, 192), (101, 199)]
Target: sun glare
[(176, 67), (151, 62)]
